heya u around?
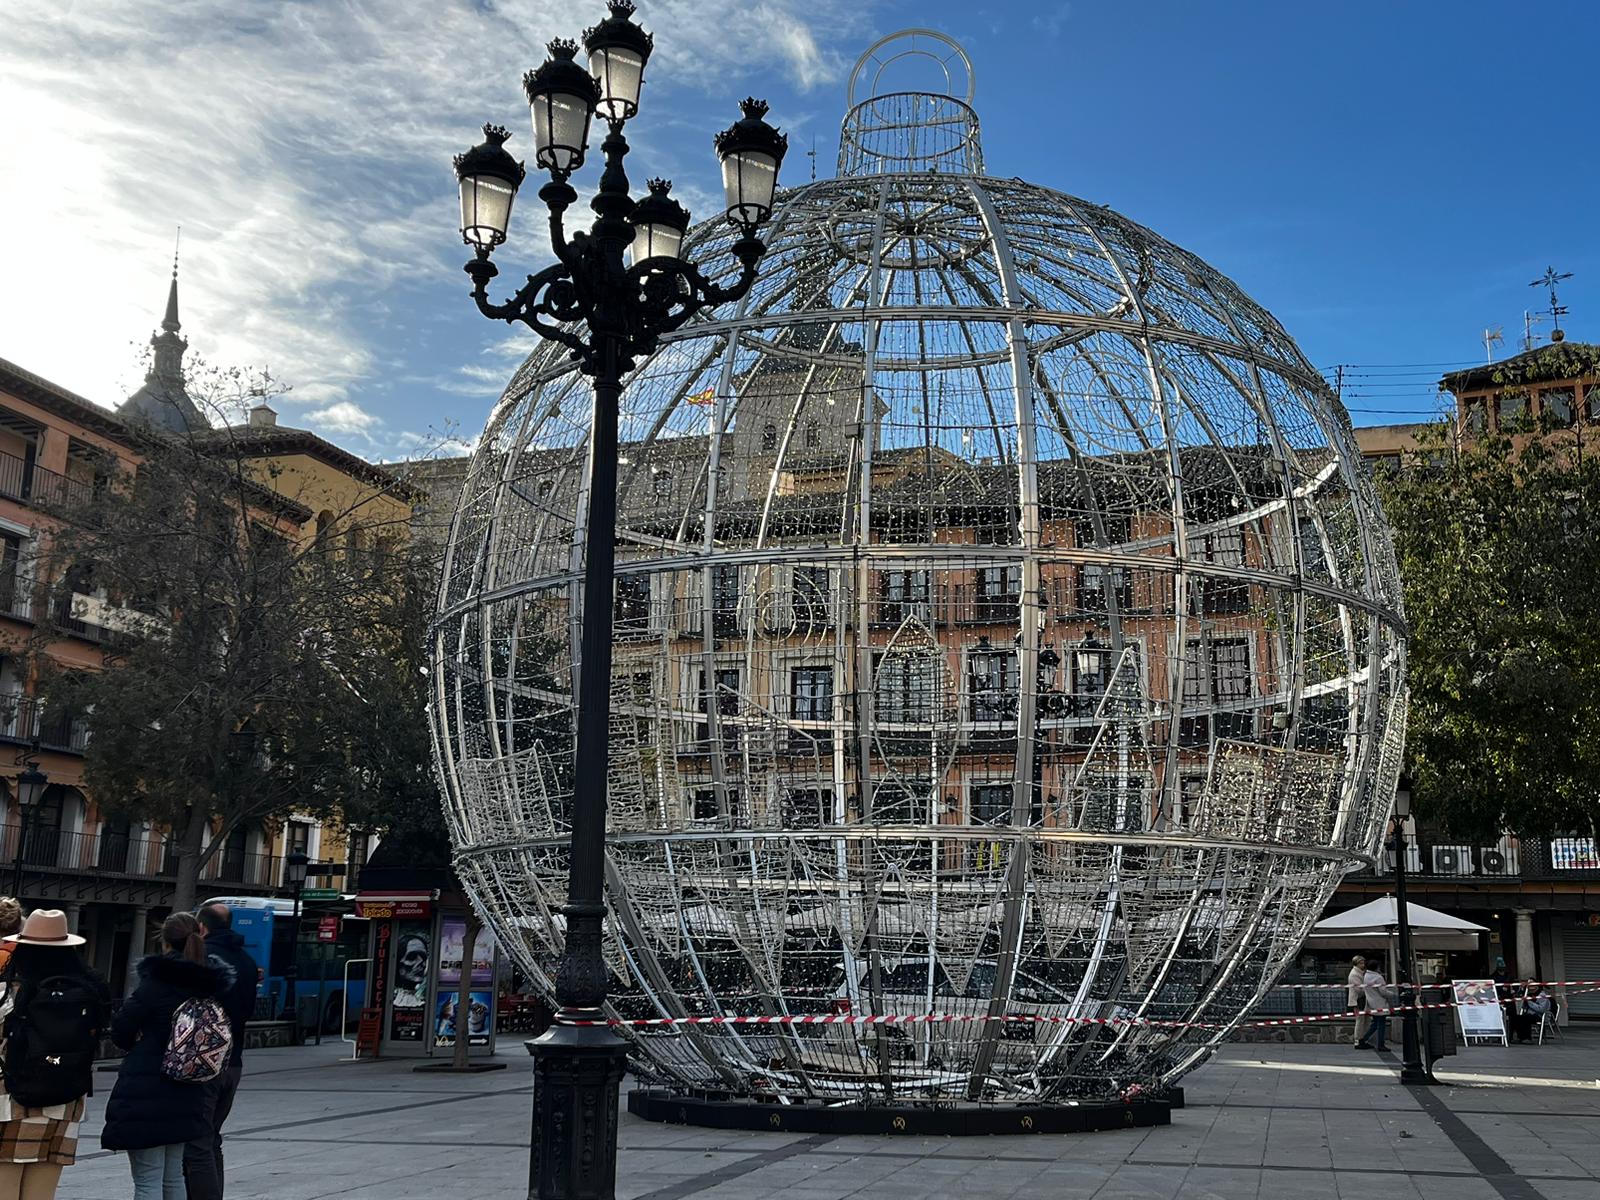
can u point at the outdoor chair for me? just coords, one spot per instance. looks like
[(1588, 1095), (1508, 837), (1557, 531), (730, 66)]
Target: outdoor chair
[(1548, 1021)]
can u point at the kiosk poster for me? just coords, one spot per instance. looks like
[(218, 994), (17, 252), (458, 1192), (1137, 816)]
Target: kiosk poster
[(1478, 1004), (412, 957), (480, 1014), (452, 938)]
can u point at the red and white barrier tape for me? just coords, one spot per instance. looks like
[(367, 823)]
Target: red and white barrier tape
[(1046, 1019)]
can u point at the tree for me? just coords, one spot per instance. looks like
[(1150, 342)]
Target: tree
[(251, 667), (1499, 547)]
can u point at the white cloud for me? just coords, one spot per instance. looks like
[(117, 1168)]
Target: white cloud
[(345, 417), (304, 149)]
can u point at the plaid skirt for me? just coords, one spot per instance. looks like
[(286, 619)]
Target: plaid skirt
[(40, 1135)]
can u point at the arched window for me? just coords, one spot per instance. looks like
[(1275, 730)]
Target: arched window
[(769, 437)]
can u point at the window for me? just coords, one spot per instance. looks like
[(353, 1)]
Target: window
[(725, 694), (990, 804), (725, 601), (993, 682), (908, 687), (999, 593), (705, 808), (1190, 789), (116, 835), (661, 484), (631, 613), (769, 437), (1216, 674), (297, 838), (1472, 414), (806, 808), (905, 594), (233, 851), (1591, 402), (1313, 555), (1383, 465), (1220, 594), (1509, 410), (813, 435), (1094, 584), (43, 842), (1558, 407), (14, 597), (812, 597), (1116, 527), (811, 694), (355, 858)]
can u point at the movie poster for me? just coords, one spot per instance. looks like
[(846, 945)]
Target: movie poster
[(447, 1019), (413, 956)]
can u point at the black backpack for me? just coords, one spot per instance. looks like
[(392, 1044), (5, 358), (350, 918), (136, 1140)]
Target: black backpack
[(51, 1040)]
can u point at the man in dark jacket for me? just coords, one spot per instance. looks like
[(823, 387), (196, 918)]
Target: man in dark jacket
[(202, 1158)]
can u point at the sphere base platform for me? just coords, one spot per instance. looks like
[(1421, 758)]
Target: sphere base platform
[(948, 1120)]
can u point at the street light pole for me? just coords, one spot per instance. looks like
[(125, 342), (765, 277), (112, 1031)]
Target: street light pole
[(294, 874), (1412, 1067), (609, 297), (30, 786)]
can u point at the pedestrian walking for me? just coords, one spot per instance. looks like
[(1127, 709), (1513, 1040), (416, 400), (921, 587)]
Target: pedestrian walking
[(1354, 998), (52, 1012), (151, 1116), (1379, 997), (202, 1159)]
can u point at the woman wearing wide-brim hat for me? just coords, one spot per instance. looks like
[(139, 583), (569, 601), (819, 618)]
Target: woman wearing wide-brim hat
[(36, 1143)]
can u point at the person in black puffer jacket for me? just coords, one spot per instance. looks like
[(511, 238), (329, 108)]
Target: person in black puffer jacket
[(202, 1161), (149, 1115)]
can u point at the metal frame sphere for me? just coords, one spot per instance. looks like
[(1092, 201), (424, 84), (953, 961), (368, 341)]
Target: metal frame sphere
[(1007, 633)]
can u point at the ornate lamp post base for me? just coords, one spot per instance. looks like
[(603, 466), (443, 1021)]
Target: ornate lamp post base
[(577, 1071)]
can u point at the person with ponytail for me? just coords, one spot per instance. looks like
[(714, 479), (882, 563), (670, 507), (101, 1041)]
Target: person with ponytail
[(149, 1115)]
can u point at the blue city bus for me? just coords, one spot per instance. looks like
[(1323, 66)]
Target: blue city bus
[(267, 927)]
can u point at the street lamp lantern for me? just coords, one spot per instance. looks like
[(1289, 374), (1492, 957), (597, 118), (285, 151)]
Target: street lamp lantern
[(751, 152), (489, 178), (659, 223), (618, 50), (1402, 805), (612, 293), (30, 786), (561, 98), (294, 869), (1088, 655)]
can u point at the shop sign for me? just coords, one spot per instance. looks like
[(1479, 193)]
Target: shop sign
[(394, 908), (328, 929)]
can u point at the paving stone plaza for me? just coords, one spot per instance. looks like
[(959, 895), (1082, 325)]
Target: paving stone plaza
[(1270, 1121)]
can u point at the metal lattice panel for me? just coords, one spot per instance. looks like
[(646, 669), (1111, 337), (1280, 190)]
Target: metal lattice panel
[(1005, 626)]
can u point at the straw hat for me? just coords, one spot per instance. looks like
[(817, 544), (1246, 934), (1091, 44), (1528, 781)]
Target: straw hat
[(46, 927)]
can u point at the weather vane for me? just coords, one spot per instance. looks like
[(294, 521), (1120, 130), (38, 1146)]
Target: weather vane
[(1557, 310)]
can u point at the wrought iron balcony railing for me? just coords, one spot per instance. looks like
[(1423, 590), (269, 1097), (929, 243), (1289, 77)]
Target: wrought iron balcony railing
[(25, 480)]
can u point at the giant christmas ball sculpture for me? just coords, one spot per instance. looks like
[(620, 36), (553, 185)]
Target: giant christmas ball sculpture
[(1007, 635)]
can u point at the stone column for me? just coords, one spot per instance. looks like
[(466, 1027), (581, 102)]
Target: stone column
[(74, 913), (1526, 968), (136, 945)]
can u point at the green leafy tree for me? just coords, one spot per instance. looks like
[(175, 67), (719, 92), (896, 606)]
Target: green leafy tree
[(1499, 548), (250, 669)]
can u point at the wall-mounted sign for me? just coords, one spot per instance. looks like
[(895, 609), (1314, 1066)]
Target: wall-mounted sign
[(395, 907)]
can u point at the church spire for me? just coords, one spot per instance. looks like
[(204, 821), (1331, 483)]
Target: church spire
[(167, 361)]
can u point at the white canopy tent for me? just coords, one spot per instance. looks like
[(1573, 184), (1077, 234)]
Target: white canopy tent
[(1378, 921)]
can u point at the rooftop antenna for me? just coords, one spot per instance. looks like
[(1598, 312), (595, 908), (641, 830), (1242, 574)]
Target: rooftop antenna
[(1529, 320), (812, 155), (1492, 338), (1557, 310)]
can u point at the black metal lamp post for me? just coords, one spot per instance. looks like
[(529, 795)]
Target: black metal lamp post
[(1412, 1069), (294, 874), (608, 298), (31, 783)]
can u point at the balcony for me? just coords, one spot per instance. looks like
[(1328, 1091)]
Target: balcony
[(24, 720), (1434, 856), (41, 487), (108, 853), (16, 596)]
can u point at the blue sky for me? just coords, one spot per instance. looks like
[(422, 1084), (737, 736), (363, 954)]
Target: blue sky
[(1385, 178)]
